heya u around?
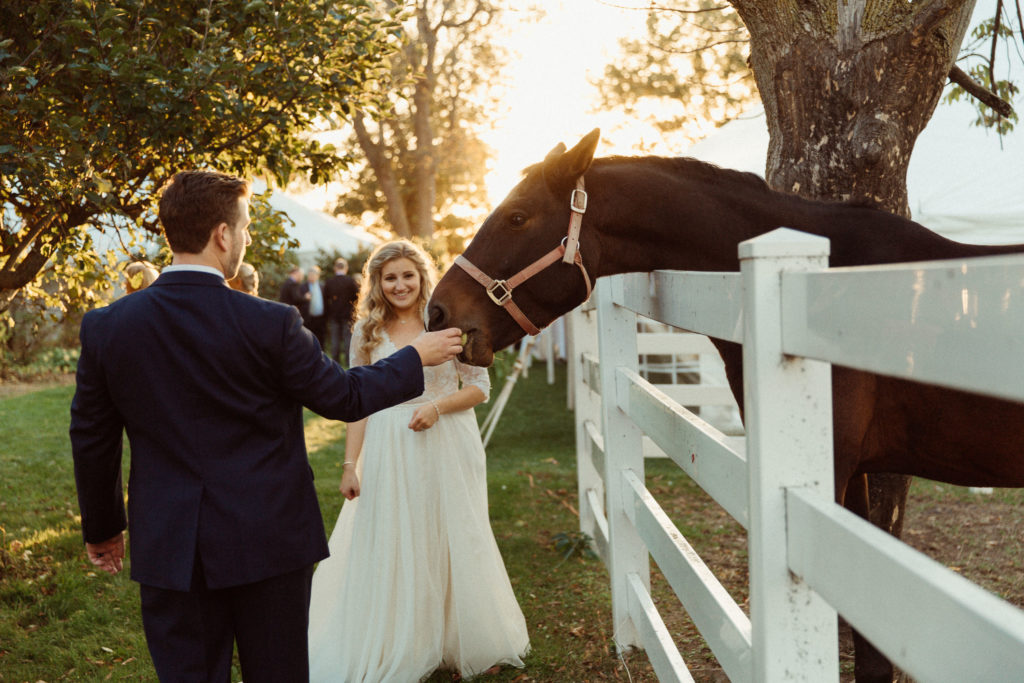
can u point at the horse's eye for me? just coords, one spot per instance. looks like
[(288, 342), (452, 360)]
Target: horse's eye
[(517, 219)]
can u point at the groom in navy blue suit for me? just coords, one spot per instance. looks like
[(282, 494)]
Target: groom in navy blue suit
[(209, 385)]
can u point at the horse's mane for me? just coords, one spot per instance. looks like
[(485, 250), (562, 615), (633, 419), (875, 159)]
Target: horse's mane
[(745, 181), (703, 171), (694, 168)]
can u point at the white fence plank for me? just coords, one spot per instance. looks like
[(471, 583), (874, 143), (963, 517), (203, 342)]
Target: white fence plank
[(943, 321), (623, 450), (600, 534), (698, 394), (700, 450), (661, 651), (930, 621), (789, 443), (725, 627), (708, 303), (596, 446), (590, 374), (804, 550), (674, 343)]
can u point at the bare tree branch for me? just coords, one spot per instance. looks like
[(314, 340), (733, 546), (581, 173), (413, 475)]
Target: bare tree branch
[(995, 41), (658, 8), (980, 92), (703, 47)]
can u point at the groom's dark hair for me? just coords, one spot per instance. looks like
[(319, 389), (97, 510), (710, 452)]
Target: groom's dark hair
[(193, 203)]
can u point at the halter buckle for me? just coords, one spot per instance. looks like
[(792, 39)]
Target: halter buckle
[(504, 297), (581, 208)]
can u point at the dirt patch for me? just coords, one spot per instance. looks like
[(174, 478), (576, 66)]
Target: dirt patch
[(12, 388), (976, 535)]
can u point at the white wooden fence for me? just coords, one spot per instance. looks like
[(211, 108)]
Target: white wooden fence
[(958, 324)]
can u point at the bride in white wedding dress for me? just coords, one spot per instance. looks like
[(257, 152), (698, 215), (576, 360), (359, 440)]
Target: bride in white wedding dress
[(415, 581)]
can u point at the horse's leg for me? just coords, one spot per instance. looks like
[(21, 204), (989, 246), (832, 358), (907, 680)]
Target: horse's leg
[(861, 434), (881, 499)]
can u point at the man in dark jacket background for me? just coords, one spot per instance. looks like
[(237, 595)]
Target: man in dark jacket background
[(341, 291)]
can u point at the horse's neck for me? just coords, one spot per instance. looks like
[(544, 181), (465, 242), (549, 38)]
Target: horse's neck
[(650, 219)]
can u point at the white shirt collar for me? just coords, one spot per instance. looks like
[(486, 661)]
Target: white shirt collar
[(194, 268)]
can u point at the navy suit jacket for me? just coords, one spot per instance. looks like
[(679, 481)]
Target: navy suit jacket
[(209, 385)]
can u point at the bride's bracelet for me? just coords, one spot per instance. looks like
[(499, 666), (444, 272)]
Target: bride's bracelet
[(347, 463), (436, 409)]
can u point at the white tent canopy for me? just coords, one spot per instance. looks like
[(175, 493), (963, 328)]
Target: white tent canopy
[(963, 182), (318, 230)]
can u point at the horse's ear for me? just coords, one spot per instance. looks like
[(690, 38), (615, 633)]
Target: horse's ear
[(556, 151), (574, 163)]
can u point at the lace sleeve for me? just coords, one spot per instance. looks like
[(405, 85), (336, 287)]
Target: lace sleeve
[(355, 356), (478, 377)]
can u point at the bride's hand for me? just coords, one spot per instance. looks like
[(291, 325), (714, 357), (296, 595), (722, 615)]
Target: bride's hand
[(349, 484), (425, 417)]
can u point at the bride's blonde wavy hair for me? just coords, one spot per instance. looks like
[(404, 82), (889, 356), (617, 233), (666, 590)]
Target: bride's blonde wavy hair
[(373, 308)]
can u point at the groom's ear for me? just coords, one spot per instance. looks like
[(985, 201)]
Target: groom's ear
[(219, 236)]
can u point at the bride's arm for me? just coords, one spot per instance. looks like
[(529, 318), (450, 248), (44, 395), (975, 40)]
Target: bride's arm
[(476, 388), (356, 431), (427, 415), (354, 435)]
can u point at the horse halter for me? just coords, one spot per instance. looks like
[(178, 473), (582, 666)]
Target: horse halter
[(500, 291)]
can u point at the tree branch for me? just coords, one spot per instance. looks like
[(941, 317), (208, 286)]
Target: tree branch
[(31, 236), (652, 8), (995, 42), (980, 92), (25, 272)]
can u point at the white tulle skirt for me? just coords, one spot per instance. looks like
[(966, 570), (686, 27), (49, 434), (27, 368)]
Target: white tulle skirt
[(415, 581)]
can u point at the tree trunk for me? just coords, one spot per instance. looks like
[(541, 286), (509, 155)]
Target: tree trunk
[(425, 161), (847, 87), (394, 207), (846, 93), (18, 267)]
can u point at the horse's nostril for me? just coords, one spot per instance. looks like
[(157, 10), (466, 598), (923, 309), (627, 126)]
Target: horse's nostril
[(437, 318)]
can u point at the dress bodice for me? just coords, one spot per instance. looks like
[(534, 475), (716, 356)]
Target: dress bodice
[(438, 381)]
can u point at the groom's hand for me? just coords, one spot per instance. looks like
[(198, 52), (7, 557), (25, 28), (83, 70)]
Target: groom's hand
[(438, 347), (107, 555)]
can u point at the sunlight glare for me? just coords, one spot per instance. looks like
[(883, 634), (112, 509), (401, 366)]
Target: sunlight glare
[(549, 98)]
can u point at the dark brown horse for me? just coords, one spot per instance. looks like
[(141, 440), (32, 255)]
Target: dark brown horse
[(650, 213)]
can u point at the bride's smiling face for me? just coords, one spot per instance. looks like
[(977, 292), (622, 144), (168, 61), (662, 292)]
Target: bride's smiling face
[(400, 282)]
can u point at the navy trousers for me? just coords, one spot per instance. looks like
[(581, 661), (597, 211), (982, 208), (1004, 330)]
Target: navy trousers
[(191, 634)]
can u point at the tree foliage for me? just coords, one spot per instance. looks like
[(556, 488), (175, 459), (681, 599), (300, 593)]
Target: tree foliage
[(692, 63), (992, 47), (424, 164), (103, 100), (689, 67)]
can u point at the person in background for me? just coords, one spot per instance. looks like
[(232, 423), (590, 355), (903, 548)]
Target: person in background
[(209, 384), (139, 275), (294, 293), (340, 290), (316, 309), (247, 280)]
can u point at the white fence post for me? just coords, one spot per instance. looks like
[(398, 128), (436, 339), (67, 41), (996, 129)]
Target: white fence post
[(623, 451), (788, 415), (589, 481)]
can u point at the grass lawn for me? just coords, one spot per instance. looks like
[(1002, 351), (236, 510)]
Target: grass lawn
[(61, 621)]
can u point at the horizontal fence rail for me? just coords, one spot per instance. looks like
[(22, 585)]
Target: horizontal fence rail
[(952, 310), (934, 622), (954, 324)]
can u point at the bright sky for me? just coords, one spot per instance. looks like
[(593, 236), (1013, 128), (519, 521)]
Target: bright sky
[(550, 97)]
